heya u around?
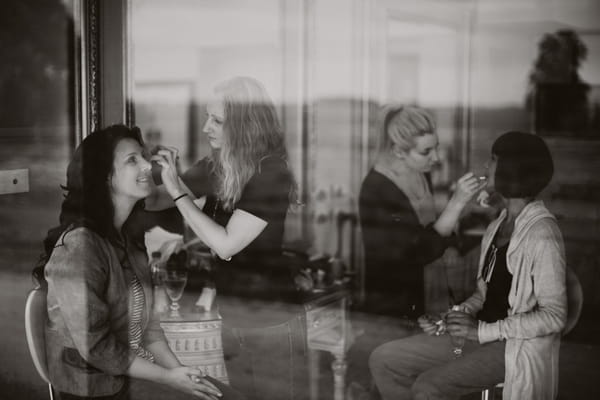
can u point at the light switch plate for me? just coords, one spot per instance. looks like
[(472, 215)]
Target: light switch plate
[(14, 181)]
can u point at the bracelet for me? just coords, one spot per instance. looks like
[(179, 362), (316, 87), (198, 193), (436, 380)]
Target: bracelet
[(179, 197)]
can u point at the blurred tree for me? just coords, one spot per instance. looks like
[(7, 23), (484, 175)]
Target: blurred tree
[(557, 97), (36, 51)]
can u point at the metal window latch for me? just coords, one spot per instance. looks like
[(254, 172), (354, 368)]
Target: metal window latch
[(14, 181)]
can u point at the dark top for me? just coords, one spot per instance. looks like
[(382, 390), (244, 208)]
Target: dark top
[(140, 221), (397, 247), (258, 271), (200, 178), (266, 196), (495, 306)]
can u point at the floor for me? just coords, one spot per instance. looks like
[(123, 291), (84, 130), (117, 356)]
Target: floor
[(579, 367)]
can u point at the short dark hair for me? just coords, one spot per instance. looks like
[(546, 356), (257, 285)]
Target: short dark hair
[(524, 166)]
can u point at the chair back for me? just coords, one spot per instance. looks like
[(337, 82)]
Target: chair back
[(36, 316), (574, 301)]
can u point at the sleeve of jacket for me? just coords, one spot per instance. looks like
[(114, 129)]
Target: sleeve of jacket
[(153, 332), (549, 288), (474, 304), (78, 278)]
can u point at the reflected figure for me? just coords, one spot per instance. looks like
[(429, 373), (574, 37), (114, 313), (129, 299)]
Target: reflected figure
[(244, 190), (102, 338), (557, 97), (513, 321), (402, 231)]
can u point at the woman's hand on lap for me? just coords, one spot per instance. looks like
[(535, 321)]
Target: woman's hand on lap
[(191, 380)]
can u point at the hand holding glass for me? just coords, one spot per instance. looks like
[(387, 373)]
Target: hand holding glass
[(482, 179), (175, 283)]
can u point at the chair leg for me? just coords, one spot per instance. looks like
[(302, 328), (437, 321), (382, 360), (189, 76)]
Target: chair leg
[(485, 394), (51, 391), (489, 393)]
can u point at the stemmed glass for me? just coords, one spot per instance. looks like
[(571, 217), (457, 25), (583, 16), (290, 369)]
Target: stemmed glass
[(482, 178), (457, 345), (457, 341), (175, 282)]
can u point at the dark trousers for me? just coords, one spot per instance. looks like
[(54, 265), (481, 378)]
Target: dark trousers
[(373, 331), (424, 367), (268, 362)]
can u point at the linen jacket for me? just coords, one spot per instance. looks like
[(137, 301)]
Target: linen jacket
[(87, 337), (537, 300)]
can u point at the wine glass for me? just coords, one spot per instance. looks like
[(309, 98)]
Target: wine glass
[(175, 281), (458, 342), (457, 345)]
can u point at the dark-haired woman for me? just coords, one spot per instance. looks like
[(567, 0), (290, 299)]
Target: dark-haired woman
[(102, 341), (512, 323)]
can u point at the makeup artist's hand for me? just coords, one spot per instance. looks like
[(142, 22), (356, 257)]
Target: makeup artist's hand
[(466, 188), (167, 158)]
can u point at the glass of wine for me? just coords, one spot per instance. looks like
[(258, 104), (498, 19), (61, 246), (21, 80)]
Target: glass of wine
[(175, 281), (458, 342)]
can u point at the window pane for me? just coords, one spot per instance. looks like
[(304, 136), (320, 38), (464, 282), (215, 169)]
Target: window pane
[(36, 134), (182, 49)]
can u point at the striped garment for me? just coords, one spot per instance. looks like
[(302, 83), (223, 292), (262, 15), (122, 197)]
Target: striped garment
[(137, 304)]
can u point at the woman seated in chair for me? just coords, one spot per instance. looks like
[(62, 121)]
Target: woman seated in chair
[(513, 321), (102, 339)]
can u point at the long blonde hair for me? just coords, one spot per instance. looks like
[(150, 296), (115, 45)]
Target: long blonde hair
[(251, 132)]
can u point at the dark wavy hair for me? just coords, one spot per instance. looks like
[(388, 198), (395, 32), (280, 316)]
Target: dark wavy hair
[(524, 166), (87, 201)]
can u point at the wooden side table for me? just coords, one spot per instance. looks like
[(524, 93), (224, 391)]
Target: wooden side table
[(328, 329), (195, 338)]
